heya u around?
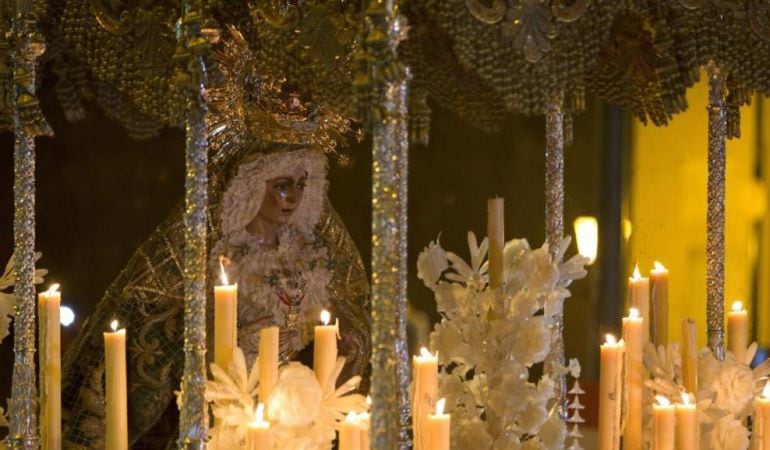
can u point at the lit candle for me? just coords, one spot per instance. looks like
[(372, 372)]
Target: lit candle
[(225, 320), (663, 424), (365, 426), (325, 348), (258, 431), (633, 333), (686, 424), (116, 397), (738, 331), (689, 355), (610, 392), (268, 362), (659, 303), (350, 433), (425, 376), (49, 335), (761, 420), (639, 298), (438, 428), (496, 233)]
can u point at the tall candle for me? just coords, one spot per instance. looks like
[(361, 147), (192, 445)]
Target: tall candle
[(761, 420), (438, 428), (268, 362), (49, 334), (425, 376), (496, 233), (690, 355), (639, 298), (350, 433), (610, 393), (659, 303), (258, 431), (686, 424), (116, 396), (633, 333), (663, 424), (225, 321), (325, 348), (738, 331)]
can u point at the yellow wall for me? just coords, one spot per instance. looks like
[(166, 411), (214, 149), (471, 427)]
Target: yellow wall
[(667, 210)]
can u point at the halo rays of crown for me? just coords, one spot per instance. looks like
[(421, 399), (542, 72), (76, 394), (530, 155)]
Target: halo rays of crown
[(252, 110)]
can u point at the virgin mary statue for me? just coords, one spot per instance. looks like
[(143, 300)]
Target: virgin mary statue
[(271, 222)]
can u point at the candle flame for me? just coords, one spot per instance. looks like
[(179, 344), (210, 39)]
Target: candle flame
[(259, 414), (611, 339), (53, 288), (766, 391), (662, 401), (587, 236), (633, 313), (223, 274), (659, 267), (351, 417), (368, 401), (685, 398), (114, 325), (737, 306), (425, 353), (325, 317), (637, 275), (440, 406)]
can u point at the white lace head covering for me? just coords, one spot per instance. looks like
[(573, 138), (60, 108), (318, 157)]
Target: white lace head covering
[(245, 192)]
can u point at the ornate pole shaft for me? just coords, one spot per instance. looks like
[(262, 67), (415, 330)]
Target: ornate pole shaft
[(402, 348), (388, 119), (715, 216), (554, 231), (194, 419), (28, 123)]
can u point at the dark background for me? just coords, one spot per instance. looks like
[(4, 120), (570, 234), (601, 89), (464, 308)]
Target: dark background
[(100, 194)]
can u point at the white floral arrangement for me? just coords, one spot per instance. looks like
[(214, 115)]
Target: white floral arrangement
[(489, 340), (303, 414), (725, 391)]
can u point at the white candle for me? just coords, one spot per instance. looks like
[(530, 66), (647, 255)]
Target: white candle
[(761, 420), (258, 431), (738, 331), (639, 298), (350, 433), (438, 428), (663, 424), (49, 335), (610, 393), (425, 376), (116, 397), (325, 349), (659, 302), (225, 321), (268, 362), (496, 233), (686, 424), (689, 355), (633, 333), (365, 426)]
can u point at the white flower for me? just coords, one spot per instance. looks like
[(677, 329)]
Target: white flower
[(474, 274), (296, 398), (729, 383), (525, 303), (531, 418), (8, 278), (553, 433), (470, 433), (431, 263), (728, 433), (537, 271), (532, 341)]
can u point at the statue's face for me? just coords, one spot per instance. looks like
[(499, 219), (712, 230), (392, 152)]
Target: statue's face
[(283, 196)]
